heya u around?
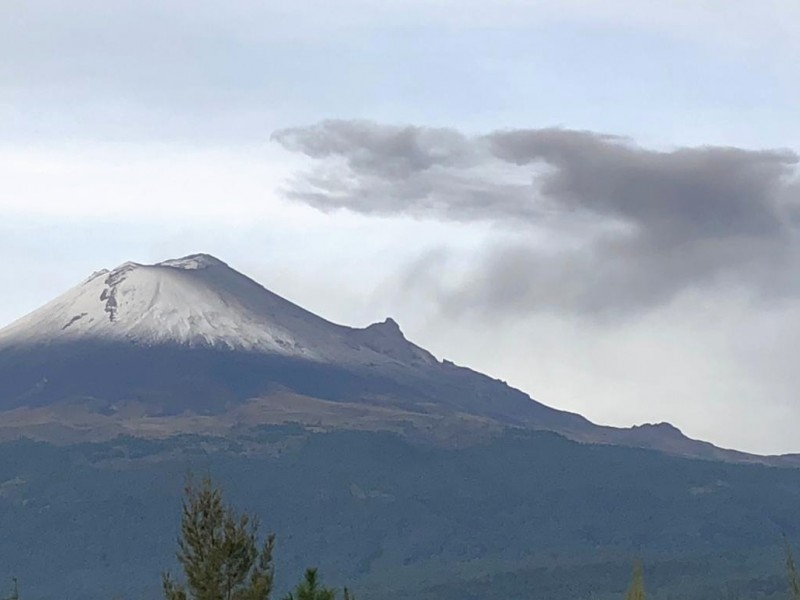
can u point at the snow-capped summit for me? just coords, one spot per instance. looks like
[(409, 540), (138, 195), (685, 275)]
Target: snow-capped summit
[(199, 301)]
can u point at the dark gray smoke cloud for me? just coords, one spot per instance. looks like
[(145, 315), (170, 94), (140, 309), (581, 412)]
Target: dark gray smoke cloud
[(629, 227)]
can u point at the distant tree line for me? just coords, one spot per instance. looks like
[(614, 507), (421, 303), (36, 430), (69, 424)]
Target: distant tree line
[(223, 559)]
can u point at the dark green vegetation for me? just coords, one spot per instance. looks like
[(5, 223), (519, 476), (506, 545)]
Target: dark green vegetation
[(525, 515), (311, 589), (219, 551), (14, 594), (220, 555), (794, 578)]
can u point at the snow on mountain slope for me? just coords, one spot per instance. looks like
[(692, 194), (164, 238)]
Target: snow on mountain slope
[(198, 301)]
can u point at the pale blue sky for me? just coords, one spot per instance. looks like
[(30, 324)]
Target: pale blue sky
[(141, 131)]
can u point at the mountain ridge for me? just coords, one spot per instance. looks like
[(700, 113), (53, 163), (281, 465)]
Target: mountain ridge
[(193, 336)]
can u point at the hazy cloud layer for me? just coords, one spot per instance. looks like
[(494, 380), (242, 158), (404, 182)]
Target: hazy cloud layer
[(139, 70), (586, 221)]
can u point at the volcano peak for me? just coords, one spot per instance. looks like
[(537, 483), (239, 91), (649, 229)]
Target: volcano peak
[(199, 301)]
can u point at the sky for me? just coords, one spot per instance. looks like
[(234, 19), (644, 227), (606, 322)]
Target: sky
[(597, 202)]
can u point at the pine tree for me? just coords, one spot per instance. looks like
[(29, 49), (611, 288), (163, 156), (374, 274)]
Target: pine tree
[(14, 590), (636, 589), (219, 552), (791, 568), (311, 589)]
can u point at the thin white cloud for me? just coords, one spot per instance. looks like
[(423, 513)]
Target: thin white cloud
[(149, 183)]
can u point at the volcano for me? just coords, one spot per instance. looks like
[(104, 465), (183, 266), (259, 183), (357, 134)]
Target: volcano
[(192, 337), (193, 334)]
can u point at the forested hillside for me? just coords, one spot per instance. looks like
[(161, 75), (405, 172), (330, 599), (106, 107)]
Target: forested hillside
[(525, 514)]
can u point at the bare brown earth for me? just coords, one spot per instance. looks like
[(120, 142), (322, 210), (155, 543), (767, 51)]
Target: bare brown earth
[(81, 421), (65, 424)]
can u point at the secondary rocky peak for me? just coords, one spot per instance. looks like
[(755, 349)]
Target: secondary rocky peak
[(386, 327), (663, 428), (386, 338)]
